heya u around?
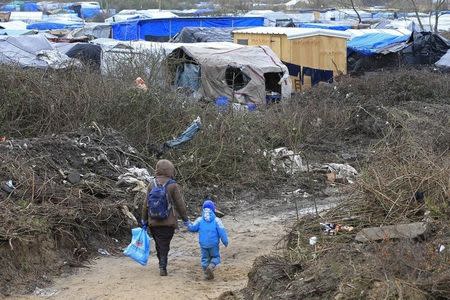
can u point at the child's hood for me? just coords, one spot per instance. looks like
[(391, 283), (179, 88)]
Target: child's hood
[(208, 215)]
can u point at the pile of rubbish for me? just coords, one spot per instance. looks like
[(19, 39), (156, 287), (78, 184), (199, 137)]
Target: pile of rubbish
[(65, 197), (290, 162)]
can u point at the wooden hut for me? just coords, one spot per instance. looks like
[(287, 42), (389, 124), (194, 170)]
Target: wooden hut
[(312, 55)]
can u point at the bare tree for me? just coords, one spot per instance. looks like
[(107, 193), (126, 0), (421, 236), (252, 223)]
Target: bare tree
[(439, 5), (434, 7), (352, 2), (416, 11)]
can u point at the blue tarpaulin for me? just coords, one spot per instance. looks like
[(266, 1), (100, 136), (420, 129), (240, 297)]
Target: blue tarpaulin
[(90, 12), (52, 25), (373, 43), (164, 29), (339, 27), (20, 6)]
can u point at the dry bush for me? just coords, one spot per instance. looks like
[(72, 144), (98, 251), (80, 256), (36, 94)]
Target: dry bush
[(411, 154)]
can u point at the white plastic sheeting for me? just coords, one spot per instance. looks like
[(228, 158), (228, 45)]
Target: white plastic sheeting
[(33, 52), (444, 62)]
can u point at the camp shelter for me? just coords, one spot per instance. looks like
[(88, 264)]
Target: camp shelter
[(243, 74), (55, 25), (162, 30), (33, 51), (312, 55), (203, 35), (87, 53)]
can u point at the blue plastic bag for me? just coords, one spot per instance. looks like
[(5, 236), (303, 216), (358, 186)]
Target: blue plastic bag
[(139, 248)]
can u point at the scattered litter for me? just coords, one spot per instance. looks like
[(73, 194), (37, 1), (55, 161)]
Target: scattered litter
[(131, 219), (115, 240), (244, 107), (222, 103), (74, 177), (313, 240), (103, 252), (287, 160), (44, 292), (139, 83), (441, 248), (8, 186), (187, 135), (400, 231), (341, 173), (332, 229), (135, 174), (2, 139)]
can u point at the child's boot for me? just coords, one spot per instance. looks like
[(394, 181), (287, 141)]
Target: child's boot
[(209, 272)]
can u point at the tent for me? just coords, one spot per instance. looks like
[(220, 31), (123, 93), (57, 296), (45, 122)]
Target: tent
[(332, 26), (242, 73), (202, 34), (56, 24), (380, 50), (272, 18), (88, 54), (444, 62), (162, 30), (20, 6), (94, 30), (86, 10), (424, 48), (373, 43), (33, 51), (133, 14)]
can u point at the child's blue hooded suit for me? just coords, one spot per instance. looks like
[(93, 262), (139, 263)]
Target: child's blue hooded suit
[(211, 232)]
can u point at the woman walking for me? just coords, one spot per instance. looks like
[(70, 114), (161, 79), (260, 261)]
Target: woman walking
[(162, 207)]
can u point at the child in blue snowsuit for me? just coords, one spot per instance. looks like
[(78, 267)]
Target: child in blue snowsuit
[(211, 232)]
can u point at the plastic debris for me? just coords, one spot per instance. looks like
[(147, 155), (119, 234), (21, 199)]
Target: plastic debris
[(2, 139), (332, 229), (8, 186), (287, 160), (313, 240), (103, 252), (342, 173), (140, 84), (44, 292), (138, 176), (441, 248)]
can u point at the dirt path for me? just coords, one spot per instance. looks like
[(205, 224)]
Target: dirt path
[(251, 235)]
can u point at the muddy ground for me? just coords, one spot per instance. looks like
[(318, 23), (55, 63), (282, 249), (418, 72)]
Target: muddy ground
[(68, 201)]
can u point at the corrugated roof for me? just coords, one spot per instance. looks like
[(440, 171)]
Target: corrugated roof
[(294, 33)]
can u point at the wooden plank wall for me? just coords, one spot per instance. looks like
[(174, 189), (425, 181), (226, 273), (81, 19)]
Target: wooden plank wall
[(318, 52)]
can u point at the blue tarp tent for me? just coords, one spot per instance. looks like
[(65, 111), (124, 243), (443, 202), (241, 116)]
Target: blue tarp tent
[(164, 29), (90, 12), (373, 43), (54, 25), (340, 27), (20, 6), (30, 6)]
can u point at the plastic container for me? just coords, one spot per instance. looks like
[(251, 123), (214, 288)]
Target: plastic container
[(222, 103)]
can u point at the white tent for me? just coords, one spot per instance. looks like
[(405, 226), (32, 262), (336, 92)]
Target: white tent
[(33, 52)]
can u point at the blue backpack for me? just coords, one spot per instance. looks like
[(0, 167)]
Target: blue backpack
[(158, 205)]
